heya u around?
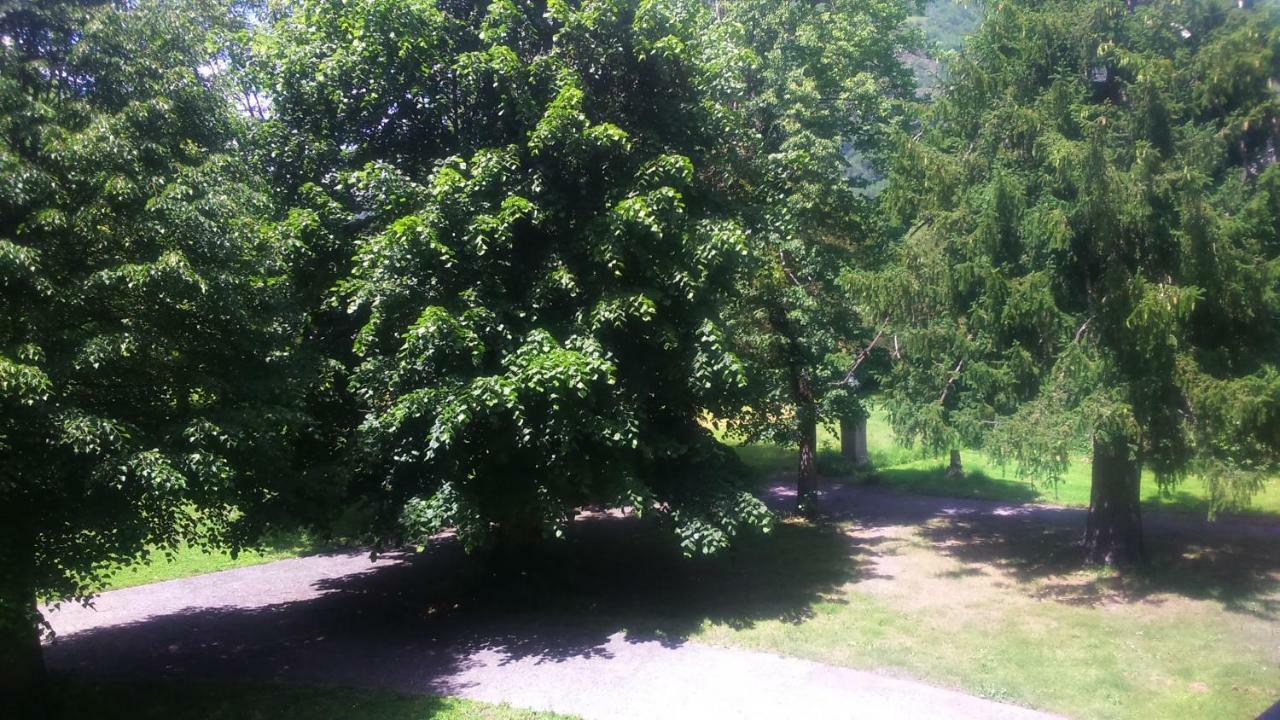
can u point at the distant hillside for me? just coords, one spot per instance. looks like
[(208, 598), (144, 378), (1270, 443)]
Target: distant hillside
[(948, 22)]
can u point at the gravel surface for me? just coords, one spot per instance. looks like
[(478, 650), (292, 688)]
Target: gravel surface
[(343, 620)]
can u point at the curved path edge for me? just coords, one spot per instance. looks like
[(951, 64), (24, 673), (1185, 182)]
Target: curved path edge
[(240, 624)]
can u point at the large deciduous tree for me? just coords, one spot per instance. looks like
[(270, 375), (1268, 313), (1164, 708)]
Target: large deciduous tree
[(1093, 263), (814, 82), (524, 212), (137, 329)]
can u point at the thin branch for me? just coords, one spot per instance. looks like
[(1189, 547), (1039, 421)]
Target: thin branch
[(955, 374), (1081, 330), (782, 258), (865, 353)]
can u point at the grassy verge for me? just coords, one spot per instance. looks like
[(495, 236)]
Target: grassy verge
[(965, 607), (195, 561), (188, 700)]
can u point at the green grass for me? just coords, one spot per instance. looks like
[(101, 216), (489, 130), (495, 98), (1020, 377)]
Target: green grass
[(910, 471), (1085, 662), (188, 700), (988, 480), (195, 561), (1010, 615), (997, 616)]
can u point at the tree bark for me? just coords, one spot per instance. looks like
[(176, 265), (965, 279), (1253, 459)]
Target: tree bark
[(853, 439), (22, 670), (955, 470), (864, 454), (1113, 533), (807, 472)]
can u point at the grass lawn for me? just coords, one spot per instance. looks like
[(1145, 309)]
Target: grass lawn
[(991, 612), (189, 700), (1007, 613), (911, 471), (195, 561)]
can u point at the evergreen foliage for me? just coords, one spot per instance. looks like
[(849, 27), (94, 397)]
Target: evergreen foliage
[(1092, 255)]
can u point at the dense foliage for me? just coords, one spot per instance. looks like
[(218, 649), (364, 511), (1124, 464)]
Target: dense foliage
[(812, 82), (527, 215), (427, 265), (1092, 263), (139, 402)]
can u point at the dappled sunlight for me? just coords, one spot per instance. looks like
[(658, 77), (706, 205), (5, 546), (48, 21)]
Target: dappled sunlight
[(1045, 561), (414, 623)]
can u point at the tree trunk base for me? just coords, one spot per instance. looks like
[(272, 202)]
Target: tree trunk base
[(955, 469), (1113, 533), (853, 440), (23, 680)]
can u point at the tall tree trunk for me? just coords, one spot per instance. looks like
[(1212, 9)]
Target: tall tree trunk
[(807, 472), (955, 470), (863, 455), (853, 439), (22, 671), (1113, 534)]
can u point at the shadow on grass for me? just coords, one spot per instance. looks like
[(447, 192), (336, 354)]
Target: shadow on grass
[(974, 485), (1040, 548), (418, 625), (1185, 502)]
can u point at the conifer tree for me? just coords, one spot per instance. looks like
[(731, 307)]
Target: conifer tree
[(1092, 266)]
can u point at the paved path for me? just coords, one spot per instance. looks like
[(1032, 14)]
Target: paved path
[(333, 619), (409, 623), (414, 623)]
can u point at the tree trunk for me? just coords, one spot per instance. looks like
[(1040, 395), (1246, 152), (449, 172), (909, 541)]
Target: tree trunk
[(22, 671), (807, 475), (1113, 533), (955, 470), (853, 439), (807, 421)]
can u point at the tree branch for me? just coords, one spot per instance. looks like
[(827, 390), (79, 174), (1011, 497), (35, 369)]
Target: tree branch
[(955, 374), (1081, 330), (782, 259), (866, 352)]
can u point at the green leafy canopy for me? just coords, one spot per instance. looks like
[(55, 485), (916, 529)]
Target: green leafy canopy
[(141, 343), (538, 239)]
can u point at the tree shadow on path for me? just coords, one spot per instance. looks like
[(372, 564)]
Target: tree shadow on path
[(418, 624)]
